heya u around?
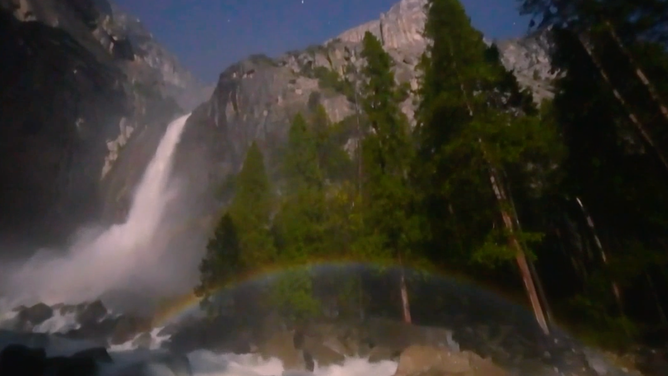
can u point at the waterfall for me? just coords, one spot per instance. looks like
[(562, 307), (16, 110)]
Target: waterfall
[(114, 259)]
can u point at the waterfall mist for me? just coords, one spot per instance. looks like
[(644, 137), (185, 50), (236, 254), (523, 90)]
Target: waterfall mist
[(124, 263)]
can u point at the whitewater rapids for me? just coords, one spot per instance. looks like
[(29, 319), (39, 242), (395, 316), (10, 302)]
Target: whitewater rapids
[(202, 362)]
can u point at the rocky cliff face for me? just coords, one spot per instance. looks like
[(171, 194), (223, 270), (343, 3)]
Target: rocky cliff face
[(79, 81), (256, 98)]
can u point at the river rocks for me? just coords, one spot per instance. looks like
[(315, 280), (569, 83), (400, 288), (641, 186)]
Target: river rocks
[(86, 321), (36, 314), (99, 354), (92, 313), (425, 360), (281, 345)]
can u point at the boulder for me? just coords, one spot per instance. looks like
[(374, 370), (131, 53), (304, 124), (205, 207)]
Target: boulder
[(92, 313), (36, 314), (99, 354), (127, 328), (380, 353), (281, 345), (322, 354), (426, 360)]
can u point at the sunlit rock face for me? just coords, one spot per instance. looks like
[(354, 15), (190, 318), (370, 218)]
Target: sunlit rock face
[(79, 82), (256, 98)]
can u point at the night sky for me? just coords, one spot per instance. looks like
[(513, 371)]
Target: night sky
[(209, 35)]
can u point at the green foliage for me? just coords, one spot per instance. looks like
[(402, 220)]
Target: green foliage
[(301, 161), (330, 79), (251, 210), (403, 91), (292, 296), (332, 158), (222, 260), (575, 177), (495, 249), (391, 228)]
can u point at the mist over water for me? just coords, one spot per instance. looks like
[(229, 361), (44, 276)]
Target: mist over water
[(123, 257)]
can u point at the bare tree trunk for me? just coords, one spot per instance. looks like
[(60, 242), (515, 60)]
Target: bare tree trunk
[(604, 257), (520, 256), (638, 71), (632, 117), (361, 298), (405, 304), (544, 302)]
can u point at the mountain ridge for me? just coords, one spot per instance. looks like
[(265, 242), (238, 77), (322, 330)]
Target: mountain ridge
[(255, 98), (80, 80)]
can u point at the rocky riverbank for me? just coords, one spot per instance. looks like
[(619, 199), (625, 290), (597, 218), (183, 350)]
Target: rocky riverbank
[(463, 349)]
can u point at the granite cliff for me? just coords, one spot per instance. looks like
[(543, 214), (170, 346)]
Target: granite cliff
[(87, 92), (79, 81), (256, 98)]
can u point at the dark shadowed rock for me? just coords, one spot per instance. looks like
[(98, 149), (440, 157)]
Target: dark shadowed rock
[(64, 366), (36, 314), (78, 81), (220, 334), (19, 360), (280, 345), (91, 313), (127, 327), (98, 354)]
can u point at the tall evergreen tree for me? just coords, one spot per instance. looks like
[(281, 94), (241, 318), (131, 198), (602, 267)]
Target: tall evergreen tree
[(302, 217), (251, 210), (386, 153), (221, 263), (467, 142), (615, 189), (301, 164), (333, 161), (614, 34)]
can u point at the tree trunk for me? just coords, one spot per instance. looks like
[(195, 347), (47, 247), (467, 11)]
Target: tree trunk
[(604, 257), (544, 302), (405, 305), (638, 71), (520, 256), (632, 116)]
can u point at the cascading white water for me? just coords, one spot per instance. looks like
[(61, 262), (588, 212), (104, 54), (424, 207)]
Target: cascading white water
[(110, 260)]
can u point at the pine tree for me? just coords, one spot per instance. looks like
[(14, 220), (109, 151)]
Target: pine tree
[(251, 210), (301, 164), (611, 33), (221, 262), (386, 154), (468, 141), (300, 222), (333, 161), (614, 187)]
